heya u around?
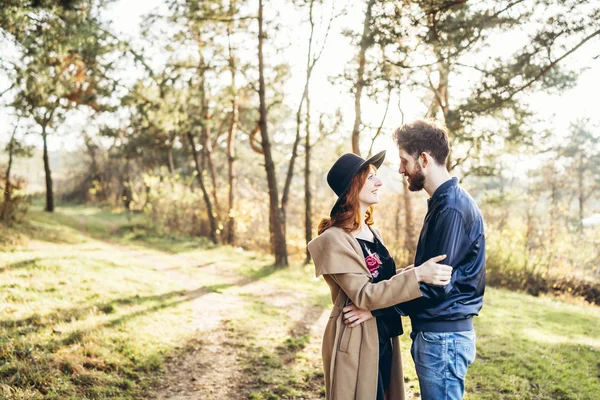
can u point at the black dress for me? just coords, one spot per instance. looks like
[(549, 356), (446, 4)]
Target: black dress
[(382, 267)]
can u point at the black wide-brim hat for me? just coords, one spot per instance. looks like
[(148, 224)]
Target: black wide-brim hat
[(345, 168)]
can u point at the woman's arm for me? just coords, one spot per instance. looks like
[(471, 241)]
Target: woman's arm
[(399, 270), (371, 296), (398, 289)]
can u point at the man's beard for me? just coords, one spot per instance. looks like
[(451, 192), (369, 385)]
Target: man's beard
[(416, 180)]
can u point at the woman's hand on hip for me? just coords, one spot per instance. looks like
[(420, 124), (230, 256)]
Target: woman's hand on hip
[(354, 316), (433, 273)]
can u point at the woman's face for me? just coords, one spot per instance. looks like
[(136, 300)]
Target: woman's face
[(368, 194)]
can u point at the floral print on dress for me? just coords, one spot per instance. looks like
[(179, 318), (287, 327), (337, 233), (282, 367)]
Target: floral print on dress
[(373, 263)]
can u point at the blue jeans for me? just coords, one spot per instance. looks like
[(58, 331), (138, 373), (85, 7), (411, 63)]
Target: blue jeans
[(442, 360)]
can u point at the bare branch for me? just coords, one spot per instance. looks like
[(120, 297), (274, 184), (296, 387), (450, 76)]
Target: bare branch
[(447, 5), (225, 19), (331, 19), (404, 66), (137, 57), (254, 141), (509, 6), (400, 108), (436, 92), (593, 190), (274, 103), (387, 106), (472, 67), (8, 90)]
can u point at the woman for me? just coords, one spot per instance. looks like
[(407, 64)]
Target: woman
[(361, 354)]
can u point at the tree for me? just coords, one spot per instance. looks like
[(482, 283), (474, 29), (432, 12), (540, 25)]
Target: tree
[(233, 126), (276, 213), (583, 160), (172, 106), (436, 42), (60, 69), (366, 41), (311, 62), (14, 148)]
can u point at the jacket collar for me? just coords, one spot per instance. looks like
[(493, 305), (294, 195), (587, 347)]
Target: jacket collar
[(442, 189), (452, 182)]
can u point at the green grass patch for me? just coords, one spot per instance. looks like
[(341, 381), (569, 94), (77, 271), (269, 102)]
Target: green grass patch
[(279, 353), (101, 334), (88, 311), (536, 348), (83, 316)]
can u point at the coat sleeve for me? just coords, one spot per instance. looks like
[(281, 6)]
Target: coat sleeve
[(371, 296), (335, 256)]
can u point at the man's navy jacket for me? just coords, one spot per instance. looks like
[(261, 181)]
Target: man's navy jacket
[(453, 226)]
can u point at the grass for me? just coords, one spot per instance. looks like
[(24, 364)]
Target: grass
[(82, 316), (536, 348), (91, 307)]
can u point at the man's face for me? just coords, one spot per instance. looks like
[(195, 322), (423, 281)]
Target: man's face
[(412, 170)]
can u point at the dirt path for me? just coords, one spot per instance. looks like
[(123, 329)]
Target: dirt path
[(220, 362), (211, 366), (208, 368)]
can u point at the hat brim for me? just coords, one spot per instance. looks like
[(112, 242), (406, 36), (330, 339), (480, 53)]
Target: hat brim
[(376, 160)]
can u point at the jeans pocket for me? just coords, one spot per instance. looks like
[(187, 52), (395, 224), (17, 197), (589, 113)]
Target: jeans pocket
[(433, 337), (429, 349), (464, 356)]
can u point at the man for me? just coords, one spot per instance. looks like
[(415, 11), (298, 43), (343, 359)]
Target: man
[(442, 320)]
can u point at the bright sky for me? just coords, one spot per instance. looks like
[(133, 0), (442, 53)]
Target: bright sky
[(558, 110)]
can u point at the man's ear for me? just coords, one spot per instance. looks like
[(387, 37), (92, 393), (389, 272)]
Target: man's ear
[(426, 159)]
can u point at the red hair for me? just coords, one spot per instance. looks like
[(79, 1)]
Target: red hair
[(349, 218)]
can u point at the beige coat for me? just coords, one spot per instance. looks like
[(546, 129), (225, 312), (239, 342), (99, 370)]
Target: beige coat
[(351, 355)]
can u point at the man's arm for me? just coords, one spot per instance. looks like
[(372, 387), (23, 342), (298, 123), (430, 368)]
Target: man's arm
[(446, 234)]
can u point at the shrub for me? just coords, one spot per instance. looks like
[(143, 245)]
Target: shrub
[(15, 210)]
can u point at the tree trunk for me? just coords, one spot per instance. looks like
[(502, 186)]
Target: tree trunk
[(231, 136), (171, 164), (49, 191), (409, 228), (443, 91), (553, 215), (365, 43), (7, 188), (127, 192), (209, 207), (580, 192), (309, 67), (529, 232), (209, 161), (276, 216), (307, 188), (440, 100), (206, 135), (310, 63)]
